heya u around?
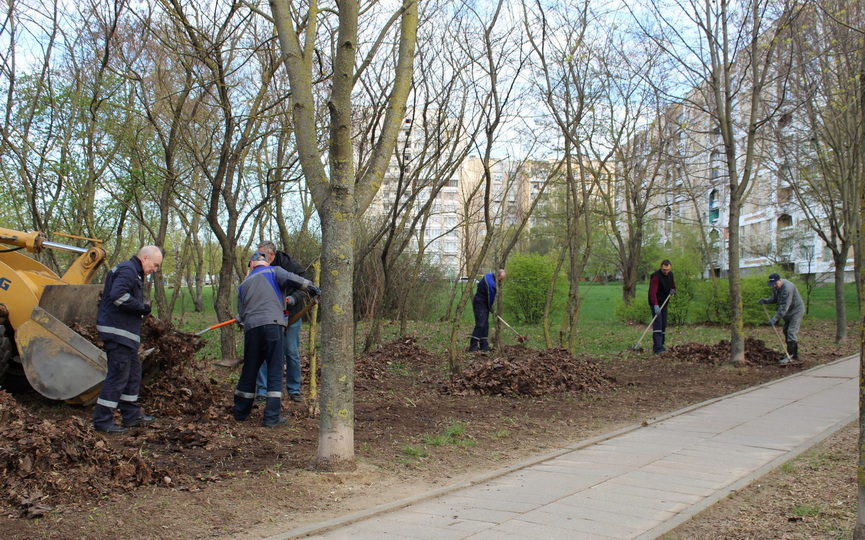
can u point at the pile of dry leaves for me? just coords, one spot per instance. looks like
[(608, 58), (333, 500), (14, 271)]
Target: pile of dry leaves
[(395, 356), (44, 463), (519, 371), (756, 353)]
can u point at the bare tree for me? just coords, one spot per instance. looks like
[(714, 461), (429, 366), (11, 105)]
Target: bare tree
[(493, 51), (727, 56), (430, 150), (340, 195), (819, 135), (230, 106)]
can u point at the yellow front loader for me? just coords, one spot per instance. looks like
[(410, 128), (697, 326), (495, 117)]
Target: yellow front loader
[(36, 308)]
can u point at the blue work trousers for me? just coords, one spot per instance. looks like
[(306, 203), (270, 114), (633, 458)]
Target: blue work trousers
[(121, 385), (291, 351), (261, 346)]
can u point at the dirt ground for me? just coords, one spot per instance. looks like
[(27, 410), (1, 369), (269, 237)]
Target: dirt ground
[(196, 473)]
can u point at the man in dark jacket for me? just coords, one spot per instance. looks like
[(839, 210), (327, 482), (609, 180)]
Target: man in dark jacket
[(661, 285), (118, 322), (791, 308), (482, 305), (295, 298), (261, 312)]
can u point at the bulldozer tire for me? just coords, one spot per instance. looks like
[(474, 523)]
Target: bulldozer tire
[(12, 376)]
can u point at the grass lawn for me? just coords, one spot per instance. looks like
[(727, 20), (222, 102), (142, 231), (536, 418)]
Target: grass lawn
[(600, 334)]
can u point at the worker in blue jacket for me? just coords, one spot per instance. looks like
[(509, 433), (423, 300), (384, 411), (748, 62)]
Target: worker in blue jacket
[(118, 321), (485, 297), (261, 312)]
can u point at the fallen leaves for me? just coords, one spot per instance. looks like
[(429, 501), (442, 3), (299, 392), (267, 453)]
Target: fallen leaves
[(520, 371)]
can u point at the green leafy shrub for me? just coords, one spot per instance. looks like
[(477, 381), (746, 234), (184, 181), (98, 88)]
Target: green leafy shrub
[(714, 297), (637, 312), (528, 282)]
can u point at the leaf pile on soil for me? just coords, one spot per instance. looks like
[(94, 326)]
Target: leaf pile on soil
[(517, 370), (44, 462), (392, 357), (756, 353), (167, 347)]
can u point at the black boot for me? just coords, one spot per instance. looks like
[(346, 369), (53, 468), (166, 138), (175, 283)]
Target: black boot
[(793, 349), (658, 342)]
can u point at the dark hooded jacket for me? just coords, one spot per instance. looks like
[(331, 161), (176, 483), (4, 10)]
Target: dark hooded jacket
[(122, 307), (286, 262)]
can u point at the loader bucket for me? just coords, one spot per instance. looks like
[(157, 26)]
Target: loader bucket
[(59, 363)]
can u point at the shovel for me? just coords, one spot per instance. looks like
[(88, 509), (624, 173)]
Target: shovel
[(520, 338), (637, 344), (790, 361), (227, 362)]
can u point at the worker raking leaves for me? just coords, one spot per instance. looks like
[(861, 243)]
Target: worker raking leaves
[(791, 309), (261, 312)]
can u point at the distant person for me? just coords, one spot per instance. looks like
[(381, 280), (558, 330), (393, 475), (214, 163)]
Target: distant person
[(118, 321), (482, 304), (791, 308), (295, 298), (662, 285), (261, 312)]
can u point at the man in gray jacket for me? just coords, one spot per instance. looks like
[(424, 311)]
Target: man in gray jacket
[(791, 308), (261, 312)]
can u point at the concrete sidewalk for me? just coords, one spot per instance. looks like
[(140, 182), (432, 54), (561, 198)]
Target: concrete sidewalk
[(637, 482)]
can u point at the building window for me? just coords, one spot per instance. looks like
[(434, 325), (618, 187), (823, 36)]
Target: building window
[(714, 206)]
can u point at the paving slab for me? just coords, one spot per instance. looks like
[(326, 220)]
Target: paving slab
[(637, 482)]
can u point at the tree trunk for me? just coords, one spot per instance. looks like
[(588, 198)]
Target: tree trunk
[(840, 305), (336, 425), (737, 337), (859, 530)]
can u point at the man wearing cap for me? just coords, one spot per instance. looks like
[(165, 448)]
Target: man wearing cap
[(261, 312), (791, 308), (294, 299)]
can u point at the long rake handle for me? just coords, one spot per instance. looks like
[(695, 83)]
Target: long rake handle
[(509, 326), (777, 333), (291, 321), (637, 344)]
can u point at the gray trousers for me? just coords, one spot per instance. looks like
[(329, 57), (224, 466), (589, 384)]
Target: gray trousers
[(792, 322)]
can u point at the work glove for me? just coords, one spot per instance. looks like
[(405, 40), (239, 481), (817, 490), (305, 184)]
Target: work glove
[(145, 311), (313, 291), (657, 309), (772, 321), (761, 301), (672, 292)]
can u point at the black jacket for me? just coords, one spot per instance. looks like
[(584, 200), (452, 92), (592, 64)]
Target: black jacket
[(660, 287), (121, 307), (284, 260)]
